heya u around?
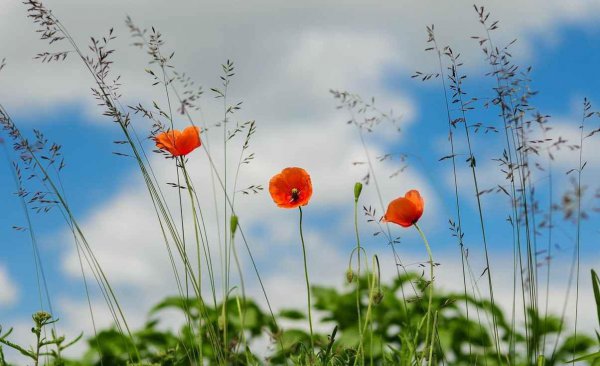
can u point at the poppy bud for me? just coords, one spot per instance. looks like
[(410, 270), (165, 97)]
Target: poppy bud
[(349, 275), (377, 297), (357, 189), (233, 224)]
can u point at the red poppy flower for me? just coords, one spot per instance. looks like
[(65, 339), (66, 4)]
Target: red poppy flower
[(405, 211), (291, 188), (179, 143)]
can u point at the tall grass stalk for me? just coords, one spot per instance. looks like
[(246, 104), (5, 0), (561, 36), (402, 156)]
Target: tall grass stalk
[(457, 229), (40, 274), (513, 107), (32, 156), (456, 80), (586, 113)]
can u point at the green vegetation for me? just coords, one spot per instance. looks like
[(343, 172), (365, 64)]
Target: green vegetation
[(389, 340)]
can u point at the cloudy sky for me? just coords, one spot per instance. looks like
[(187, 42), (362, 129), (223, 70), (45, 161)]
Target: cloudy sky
[(287, 57)]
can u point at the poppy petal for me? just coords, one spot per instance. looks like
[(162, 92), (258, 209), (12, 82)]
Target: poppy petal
[(166, 141), (401, 211), (188, 140), (179, 143), (415, 197), (280, 191)]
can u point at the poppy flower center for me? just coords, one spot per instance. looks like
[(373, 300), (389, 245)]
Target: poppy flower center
[(295, 194)]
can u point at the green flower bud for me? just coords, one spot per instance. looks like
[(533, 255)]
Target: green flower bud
[(377, 297), (41, 317), (349, 275), (357, 189), (233, 224)]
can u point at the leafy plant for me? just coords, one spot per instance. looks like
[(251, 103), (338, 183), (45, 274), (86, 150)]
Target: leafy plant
[(46, 349)]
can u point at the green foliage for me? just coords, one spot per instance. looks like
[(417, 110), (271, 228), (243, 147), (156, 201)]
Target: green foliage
[(580, 344), (47, 349), (394, 334)]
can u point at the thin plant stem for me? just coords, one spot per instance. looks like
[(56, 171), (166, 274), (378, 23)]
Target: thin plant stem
[(459, 233), (574, 268), (472, 164), (241, 306), (431, 280), (369, 306), (579, 216), (358, 249), (310, 323)]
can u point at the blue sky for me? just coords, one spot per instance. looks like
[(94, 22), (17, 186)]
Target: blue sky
[(297, 125)]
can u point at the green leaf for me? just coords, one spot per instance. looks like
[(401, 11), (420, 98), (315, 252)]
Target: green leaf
[(596, 286), (590, 357), (291, 314)]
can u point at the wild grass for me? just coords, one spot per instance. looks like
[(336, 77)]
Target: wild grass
[(408, 321)]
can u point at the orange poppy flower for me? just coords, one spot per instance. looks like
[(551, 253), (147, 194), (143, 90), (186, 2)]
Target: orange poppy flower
[(291, 188), (179, 143), (405, 211)]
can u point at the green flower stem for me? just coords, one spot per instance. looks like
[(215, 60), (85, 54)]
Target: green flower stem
[(358, 249), (435, 319), (188, 184), (371, 290), (429, 305), (312, 340)]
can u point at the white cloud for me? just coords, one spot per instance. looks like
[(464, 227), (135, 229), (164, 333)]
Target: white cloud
[(276, 46), (9, 292)]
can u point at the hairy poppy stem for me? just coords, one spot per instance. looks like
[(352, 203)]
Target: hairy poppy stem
[(429, 305), (312, 340), (357, 190)]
